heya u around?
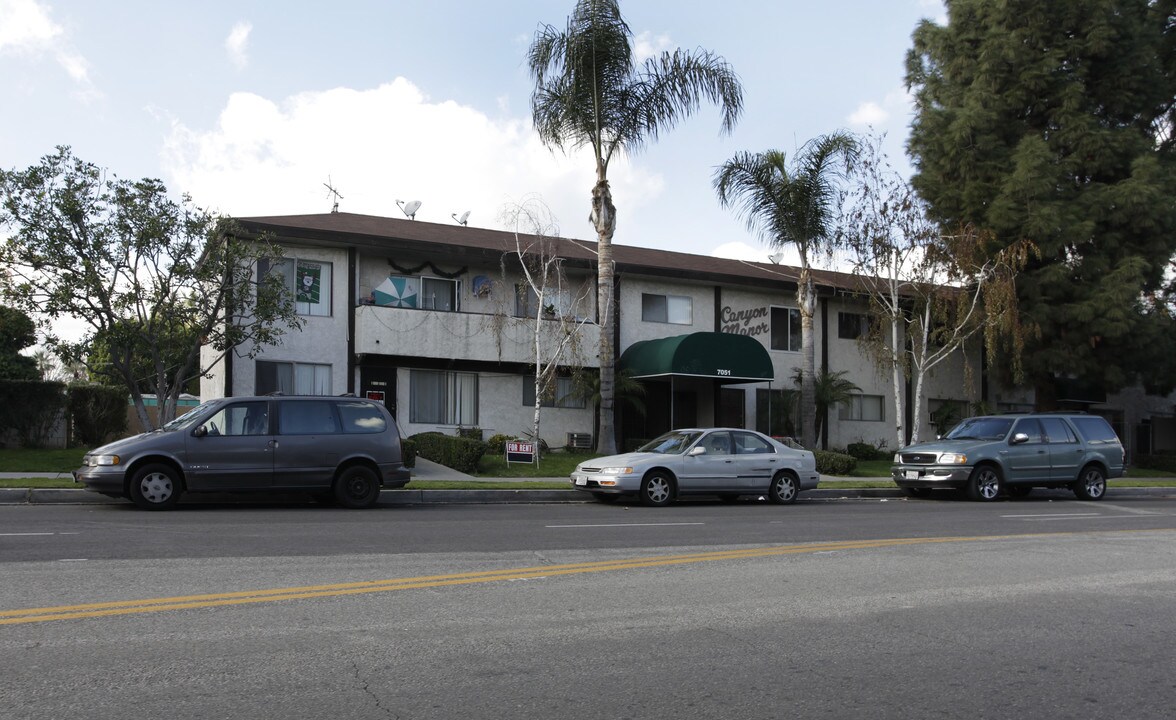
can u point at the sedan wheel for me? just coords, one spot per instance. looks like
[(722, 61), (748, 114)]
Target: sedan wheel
[(984, 485), (1091, 485), (785, 489), (155, 487), (657, 490)]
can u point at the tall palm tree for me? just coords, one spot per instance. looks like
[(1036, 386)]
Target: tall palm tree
[(590, 92), (795, 205)]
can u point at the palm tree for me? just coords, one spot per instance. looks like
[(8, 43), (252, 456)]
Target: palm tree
[(589, 92), (830, 389), (793, 205)]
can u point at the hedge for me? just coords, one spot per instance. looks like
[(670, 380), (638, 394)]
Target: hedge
[(31, 408), (461, 454), (1164, 462), (408, 452), (98, 412)]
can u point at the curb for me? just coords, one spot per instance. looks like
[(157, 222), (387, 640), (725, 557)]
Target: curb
[(57, 496)]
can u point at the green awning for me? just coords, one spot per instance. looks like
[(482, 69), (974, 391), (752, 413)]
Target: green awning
[(722, 356)]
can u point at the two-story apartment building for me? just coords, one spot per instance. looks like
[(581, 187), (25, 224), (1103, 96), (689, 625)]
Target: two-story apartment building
[(435, 321)]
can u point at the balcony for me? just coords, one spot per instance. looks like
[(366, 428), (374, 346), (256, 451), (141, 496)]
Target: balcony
[(384, 330)]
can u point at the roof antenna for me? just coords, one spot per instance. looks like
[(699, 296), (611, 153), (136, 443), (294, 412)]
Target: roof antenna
[(463, 220), (409, 208), (332, 191)]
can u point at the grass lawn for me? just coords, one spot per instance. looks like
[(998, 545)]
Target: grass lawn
[(553, 464), (41, 460)]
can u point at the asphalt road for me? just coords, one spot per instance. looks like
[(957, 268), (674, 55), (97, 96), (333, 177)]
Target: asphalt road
[(1048, 608)]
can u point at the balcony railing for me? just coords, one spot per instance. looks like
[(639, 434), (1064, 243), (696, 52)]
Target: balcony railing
[(466, 336)]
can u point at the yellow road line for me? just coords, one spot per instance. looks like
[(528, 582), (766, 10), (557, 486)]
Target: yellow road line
[(245, 597)]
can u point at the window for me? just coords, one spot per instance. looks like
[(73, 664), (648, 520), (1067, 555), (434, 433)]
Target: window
[(527, 302), (561, 393), (748, 444), (1096, 430), (307, 417), (786, 329), (1030, 427), (443, 398), (945, 413), (248, 418), (438, 294), (851, 326), (1057, 432), (308, 282), (862, 407), (292, 378), (361, 417), (673, 309)]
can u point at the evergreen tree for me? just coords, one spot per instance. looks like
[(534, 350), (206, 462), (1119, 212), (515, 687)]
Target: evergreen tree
[(1052, 123)]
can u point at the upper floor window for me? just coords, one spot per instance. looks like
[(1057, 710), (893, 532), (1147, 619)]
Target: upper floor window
[(674, 309), (786, 329), (308, 282), (851, 326), (411, 291), (439, 294), (555, 302)]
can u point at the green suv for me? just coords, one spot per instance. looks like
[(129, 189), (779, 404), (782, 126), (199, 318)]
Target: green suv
[(991, 454)]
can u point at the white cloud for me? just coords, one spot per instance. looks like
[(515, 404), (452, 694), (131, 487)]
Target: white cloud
[(646, 45), (892, 110), (868, 113), (236, 44), (378, 145), (27, 30)]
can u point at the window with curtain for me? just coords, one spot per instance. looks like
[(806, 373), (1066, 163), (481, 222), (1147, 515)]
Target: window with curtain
[(292, 378), (443, 398), (862, 407), (307, 281), (673, 309), (851, 326), (786, 329), (438, 294), (559, 394)]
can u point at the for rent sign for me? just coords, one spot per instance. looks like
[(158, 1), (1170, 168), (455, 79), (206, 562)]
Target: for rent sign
[(520, 452)]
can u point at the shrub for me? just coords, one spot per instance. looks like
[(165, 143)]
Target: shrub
[(833, 463), (472, 433), (461, 454), (496, 444), (1164, 462), (98, 412), (864, 451), (408, 452)]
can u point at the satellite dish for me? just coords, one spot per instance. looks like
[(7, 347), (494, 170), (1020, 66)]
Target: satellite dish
[(776, 258), (409, 208), (463, 220)]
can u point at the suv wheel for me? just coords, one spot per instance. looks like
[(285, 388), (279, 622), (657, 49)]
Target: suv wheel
[(984, 485), (357, 487), (1092, 484)]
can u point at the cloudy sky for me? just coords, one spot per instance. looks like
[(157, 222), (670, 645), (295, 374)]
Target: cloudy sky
[(252, 107)]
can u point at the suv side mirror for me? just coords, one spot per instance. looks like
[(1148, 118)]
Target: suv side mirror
[(1019, 438)]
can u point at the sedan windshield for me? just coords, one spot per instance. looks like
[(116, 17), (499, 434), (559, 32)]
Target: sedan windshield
[(981, 428), (674, 442)]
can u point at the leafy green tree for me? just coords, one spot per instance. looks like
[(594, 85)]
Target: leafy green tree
[(793, 203), (17, 332), (589, 91), (1052, 123), (146, 273)]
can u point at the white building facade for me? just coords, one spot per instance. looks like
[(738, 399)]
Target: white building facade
[(435, 321)]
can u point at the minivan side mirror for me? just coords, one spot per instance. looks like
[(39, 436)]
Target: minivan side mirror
[(200, 431), (1019, 438)]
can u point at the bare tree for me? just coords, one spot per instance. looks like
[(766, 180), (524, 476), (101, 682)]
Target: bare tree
[(545, 299), (929, 291)]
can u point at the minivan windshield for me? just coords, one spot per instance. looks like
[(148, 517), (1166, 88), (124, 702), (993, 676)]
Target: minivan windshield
[(192, 416), (674, 442), (981, 428)]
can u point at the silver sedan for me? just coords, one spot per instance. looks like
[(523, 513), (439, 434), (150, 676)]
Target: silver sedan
[(727, 462)]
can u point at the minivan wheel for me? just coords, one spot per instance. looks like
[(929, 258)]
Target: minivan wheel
[(785, 489), (155, 487), (357, 487), (657, 490), (984, 485), (1092, 484)]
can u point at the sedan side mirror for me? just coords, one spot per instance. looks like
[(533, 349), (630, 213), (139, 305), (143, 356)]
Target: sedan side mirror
[(697, 450), (1019, 438)]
